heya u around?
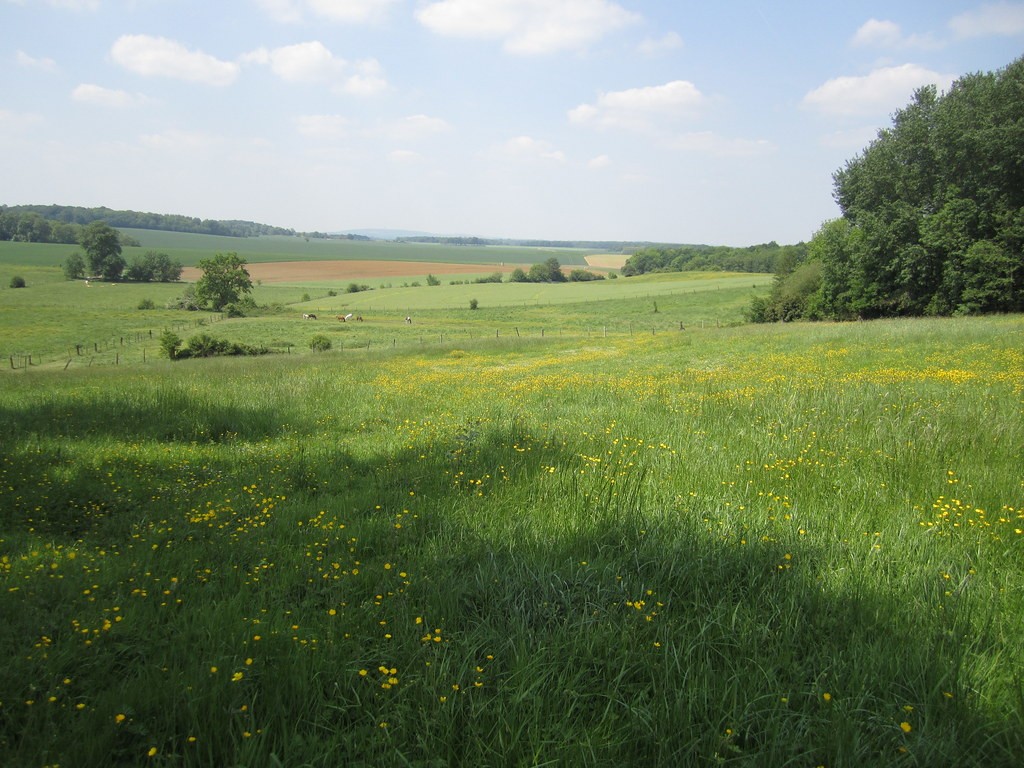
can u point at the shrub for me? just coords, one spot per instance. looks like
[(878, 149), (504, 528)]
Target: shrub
[(147, 304), (473, 304), (169, 344), (17, 281), (432, 280), (332, 292), (74, 267), (305, 297), (320, 343), (233, 309)]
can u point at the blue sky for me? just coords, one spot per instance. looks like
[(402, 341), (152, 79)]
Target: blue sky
[(694, 122)]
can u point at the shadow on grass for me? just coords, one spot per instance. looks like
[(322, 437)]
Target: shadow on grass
[(603, 627)]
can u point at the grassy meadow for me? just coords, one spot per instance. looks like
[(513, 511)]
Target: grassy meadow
[(731, 545)]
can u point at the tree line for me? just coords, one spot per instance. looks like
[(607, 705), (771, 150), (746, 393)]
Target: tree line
[(767, 257), (932, 214), (62, 223), (103, 259)]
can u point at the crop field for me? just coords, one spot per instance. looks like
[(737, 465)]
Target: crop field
[(725, 545), (189, 248), (55, 321)]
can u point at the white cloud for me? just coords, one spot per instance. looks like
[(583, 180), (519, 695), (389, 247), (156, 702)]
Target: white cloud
[(404, 156), (175, 141), (31, 62), (709, 143), (89, 93), (528, 147), (345, 11), (19, 121), (527, 27), (654, 46), (874, 33), (350, 11), (416, 127), (601, 161), (158, 56), (323, 126), (882, 91), (641, 108), (313, 62), (992, 20)]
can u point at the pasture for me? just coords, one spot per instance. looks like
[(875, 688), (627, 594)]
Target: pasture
[(729, 545)]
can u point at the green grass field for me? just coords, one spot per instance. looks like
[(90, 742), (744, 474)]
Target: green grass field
[(730, 545), (54, 320)]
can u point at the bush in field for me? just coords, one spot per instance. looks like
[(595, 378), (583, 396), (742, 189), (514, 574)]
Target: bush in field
[(356, 288), (518, 276), (146, 304), (473, 304), (494, 277), (205, 345), (320, 343), (432, 280), (153, 267), (74, 267), (188, 300), (583, 276), (170, 343), (17, 282)]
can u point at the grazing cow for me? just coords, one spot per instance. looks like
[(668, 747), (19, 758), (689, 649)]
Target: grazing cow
[(408, 321), (359, 318), (348, 317), (341, 318), (309, 317)]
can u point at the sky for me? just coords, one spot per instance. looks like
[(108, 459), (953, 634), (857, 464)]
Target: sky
[(644, 120)]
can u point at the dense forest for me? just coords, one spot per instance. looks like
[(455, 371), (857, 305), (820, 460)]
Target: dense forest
[(932, 214), (63, 223), (767, 257)]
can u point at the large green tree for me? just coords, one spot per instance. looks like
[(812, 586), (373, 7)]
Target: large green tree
[(102, 246), (224, 280), (933, 210)]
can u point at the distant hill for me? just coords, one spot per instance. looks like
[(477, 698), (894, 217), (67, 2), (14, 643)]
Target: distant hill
[(76, 215)]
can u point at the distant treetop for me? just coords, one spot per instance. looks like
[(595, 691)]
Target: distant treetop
[(69, 214)]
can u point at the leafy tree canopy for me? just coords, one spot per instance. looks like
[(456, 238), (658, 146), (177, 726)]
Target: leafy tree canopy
[(224, 280), (102, 246), (932, 210)]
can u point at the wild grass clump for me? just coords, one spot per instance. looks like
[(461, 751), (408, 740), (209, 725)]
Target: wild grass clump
[(769, 546)]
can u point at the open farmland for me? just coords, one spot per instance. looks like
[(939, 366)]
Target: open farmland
[(771, 545), (560, 528)]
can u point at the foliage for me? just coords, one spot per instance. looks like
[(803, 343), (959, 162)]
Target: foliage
[(57, 216), (170, 343), (356, 288), (933, 209), (153, 267), (433, 280), (147, 304), (473, 304), (702, 258), (102, 246), (225, 279), (584, 276), (320, 343), (74, 267), (17, 282), (205, 345), (188, 300), (517, 275), (494, 277)]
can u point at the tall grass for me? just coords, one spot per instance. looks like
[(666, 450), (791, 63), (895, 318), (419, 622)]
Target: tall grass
[(795, 545)]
